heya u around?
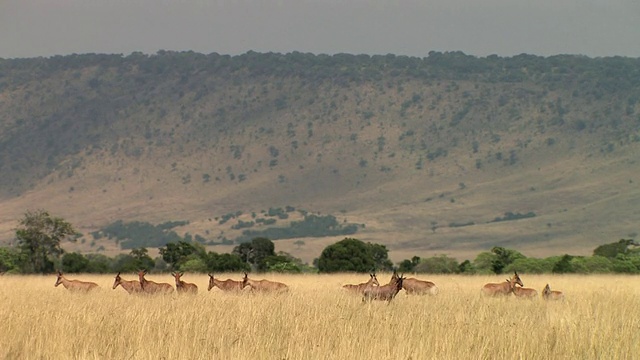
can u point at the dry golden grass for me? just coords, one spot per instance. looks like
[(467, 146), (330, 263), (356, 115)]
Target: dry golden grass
[(317, 319)]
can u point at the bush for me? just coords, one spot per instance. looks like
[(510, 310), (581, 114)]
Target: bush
[(74, 263), (441, 264), (346, 255)]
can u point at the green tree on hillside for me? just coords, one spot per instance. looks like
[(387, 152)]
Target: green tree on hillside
[(39, 236), (255, 252), (612, 250), (176, 253), (354, 255)]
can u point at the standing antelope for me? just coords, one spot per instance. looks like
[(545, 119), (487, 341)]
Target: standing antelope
[(548, 294), (75, 285), (263, 285), (384, 292), (225, 285), (503, 288), (415, 286), (184, 287), (151, 287), (523, 292), (359, 288), (131, 286)]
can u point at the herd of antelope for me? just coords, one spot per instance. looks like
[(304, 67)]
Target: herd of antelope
[(370, 290), (142, 285)]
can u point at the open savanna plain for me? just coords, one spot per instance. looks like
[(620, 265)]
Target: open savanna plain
[(317, 319)]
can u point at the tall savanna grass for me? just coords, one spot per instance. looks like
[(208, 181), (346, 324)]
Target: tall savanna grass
[(317, 319)]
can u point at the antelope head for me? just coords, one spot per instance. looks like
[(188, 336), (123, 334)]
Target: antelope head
[(59, 279), (141, 275), (516, 279), (374, 280), (245, 280), (547, 290), (211, 283), (394, 276), (399, 282), (177, 276), (117, 281)]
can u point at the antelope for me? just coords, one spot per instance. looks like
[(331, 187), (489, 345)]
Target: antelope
[(225, 285), (384, 292), (184, 287), (75, 285), (415, 286), (359, 288), (503, 288), (549, 294), (263, 285), (151, 287), (523, 292), (131, 286)]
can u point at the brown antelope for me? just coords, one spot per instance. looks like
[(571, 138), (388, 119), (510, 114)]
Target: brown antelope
[(131, 286), (263, 285), (523, 292), (359, 288), (503, 288), (75, 285), (225, 285), (151, 287), (384, 292), (549, 294), (184, 287), (415, 286)]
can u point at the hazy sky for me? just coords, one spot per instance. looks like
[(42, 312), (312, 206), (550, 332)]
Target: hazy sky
[(30, 28)]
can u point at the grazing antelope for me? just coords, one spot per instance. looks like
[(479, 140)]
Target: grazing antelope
[(359, 288), (75, 285), (151, 287), (523, 292), (549, 294), (263, 285), (415, 286), (225, 285), (384, 292), (131, 286), (503, 288), (184, 287)]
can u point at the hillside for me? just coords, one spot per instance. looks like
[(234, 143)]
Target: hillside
[(424, 154)]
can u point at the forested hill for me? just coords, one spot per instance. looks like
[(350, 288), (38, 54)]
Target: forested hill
[(445, 154)]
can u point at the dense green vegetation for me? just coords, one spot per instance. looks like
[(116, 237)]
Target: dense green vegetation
[(259, 255), (140, 234), (310, 226), (618, 257)]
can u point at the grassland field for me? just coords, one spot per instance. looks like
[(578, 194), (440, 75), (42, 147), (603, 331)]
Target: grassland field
[(317, 319)]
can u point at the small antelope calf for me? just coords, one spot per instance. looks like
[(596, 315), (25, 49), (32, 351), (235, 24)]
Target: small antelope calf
[(225, 285), (264, 285), (359, 288), (523, 292), (549, 294), (75, 285), (131, 286), (184, 287)]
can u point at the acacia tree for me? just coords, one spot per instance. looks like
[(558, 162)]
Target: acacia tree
[(39, 236)]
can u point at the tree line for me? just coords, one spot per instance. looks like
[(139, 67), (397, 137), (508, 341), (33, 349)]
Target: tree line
[(39, 235)]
